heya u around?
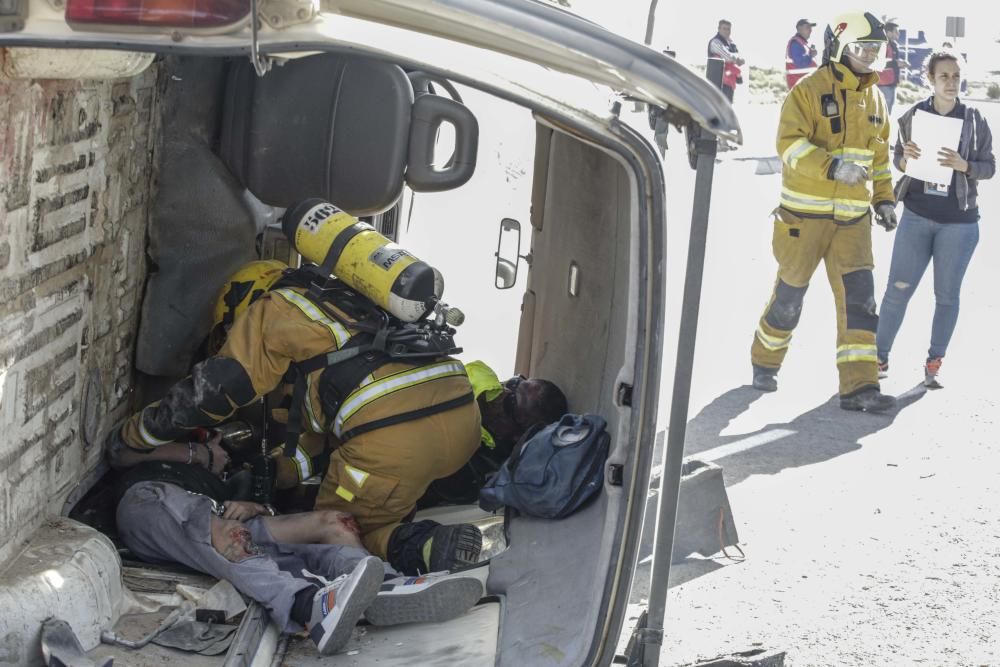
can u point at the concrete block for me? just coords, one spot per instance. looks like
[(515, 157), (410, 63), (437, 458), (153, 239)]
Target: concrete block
[(68, 570)]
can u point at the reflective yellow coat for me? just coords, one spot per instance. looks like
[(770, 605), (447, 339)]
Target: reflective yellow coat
[(834, 114)]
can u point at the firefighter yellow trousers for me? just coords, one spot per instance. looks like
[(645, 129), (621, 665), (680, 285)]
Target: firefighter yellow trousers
[(379, 476), (799, 244)]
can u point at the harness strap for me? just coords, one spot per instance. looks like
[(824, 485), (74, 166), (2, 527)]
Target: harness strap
[(294, 427), (408, 416)]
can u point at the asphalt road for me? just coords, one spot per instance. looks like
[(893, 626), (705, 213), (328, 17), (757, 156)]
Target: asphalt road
[(869, 539)]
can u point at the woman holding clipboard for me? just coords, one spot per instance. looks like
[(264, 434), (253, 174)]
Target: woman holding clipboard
[(940, 220)]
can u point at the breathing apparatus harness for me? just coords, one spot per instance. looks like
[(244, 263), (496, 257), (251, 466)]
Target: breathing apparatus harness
[(378, 338)]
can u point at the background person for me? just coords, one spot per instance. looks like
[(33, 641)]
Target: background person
[(721, 46), (800, 55), (888, 78), (939, 223)]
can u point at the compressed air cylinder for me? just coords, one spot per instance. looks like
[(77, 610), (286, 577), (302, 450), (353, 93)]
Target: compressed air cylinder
[(370, 263)]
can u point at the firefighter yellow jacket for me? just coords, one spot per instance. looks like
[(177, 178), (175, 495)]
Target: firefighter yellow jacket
[(833, 115), (281, 328)]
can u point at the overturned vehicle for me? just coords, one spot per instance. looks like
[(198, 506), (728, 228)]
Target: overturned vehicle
[(306, 134)]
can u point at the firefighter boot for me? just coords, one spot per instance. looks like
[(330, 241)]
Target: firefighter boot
[(427, 546), (869, 399), (765, 379)]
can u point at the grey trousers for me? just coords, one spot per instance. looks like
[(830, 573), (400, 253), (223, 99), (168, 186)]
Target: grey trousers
[(163, 523)]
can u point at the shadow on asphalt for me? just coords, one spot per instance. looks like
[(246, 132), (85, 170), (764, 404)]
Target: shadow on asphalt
[(817, 435)]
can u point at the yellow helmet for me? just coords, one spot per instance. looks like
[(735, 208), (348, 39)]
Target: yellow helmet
[(858, 37), (244, 287)]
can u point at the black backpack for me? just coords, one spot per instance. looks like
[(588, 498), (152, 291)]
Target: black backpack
[(553, 471)]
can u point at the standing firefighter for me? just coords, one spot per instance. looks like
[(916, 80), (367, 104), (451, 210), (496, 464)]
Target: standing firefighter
[(833, 141), (403, 411)]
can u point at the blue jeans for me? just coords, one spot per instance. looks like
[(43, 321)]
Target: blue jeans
[(890, 96), (918, 239)]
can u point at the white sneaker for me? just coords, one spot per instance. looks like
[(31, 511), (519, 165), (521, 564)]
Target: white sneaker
[(338, 606), (429, 598)]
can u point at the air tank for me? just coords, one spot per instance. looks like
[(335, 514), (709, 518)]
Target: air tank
[(389, 275)]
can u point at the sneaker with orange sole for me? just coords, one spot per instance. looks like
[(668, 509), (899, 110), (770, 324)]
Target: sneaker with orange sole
[(931, 369)]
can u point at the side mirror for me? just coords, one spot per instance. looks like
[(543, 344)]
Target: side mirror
[(508, 253)]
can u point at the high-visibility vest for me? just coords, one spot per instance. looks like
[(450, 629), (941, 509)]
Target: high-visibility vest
[(794, 72)]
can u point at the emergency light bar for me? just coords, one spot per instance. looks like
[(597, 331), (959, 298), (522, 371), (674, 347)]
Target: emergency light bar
[(191, 14)]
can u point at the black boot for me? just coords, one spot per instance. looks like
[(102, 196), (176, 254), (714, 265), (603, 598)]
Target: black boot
[(765, 379), (454, 547), (869, 399), (427, 546)]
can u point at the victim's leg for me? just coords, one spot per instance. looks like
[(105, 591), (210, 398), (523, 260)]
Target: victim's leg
[(318, 527), (161, 522)]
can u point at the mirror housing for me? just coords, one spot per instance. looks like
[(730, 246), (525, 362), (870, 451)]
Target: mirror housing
[(508, 254)]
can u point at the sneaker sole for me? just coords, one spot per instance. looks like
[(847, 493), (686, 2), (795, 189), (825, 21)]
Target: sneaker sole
[(361, 593), (461, 551), (435, 604)]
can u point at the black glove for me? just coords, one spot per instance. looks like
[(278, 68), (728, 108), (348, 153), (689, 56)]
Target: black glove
[(885, 215)]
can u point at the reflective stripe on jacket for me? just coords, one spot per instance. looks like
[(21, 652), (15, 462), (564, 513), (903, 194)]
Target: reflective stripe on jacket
[(281, 328), (811, 145)]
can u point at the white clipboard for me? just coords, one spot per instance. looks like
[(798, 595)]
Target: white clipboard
[(931, 133)]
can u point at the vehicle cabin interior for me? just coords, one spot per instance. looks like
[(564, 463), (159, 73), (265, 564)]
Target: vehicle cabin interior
[(360, 132)]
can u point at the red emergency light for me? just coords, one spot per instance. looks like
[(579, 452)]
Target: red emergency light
[(198, 14)]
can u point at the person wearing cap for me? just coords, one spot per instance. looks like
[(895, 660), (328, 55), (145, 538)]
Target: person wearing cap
[(888, 78), (800, 55)]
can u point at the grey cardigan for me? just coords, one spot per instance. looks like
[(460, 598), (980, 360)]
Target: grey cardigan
[(975, 147)]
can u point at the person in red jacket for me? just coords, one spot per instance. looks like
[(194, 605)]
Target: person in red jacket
[(722, 47), (800, 55), (888, 78)]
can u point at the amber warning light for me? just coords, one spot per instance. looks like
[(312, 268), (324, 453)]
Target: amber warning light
[(158, 13)]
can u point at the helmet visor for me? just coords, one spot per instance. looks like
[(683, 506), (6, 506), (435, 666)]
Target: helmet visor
[(867, 56)]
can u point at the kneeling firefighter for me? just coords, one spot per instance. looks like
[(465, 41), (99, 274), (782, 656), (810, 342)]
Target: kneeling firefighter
[(378, 378)]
